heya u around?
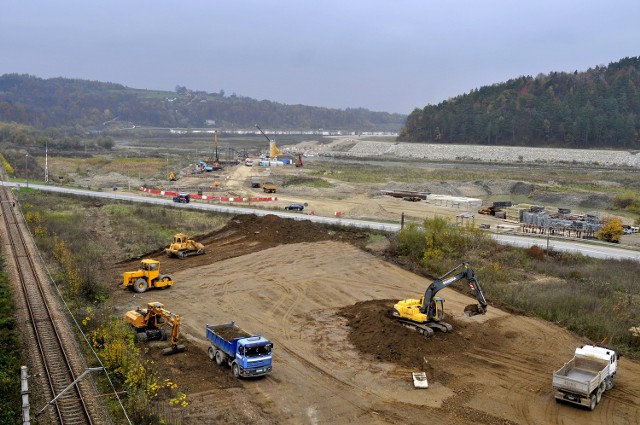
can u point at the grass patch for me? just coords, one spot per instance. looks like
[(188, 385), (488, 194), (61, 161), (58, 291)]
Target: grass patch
[(313, 182), (9, 355)]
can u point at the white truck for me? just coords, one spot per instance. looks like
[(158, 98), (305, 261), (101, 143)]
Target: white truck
[(584, 378)]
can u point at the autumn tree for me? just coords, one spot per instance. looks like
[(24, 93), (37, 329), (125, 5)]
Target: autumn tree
[(611, 230)]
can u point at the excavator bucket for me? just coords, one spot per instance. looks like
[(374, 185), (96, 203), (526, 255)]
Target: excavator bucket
[(473, 310), (178, 348)]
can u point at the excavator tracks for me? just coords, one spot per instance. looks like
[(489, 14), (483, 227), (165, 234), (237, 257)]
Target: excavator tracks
[(426, 329)]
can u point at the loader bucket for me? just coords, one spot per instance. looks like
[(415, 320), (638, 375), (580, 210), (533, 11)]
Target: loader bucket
[(173, 350)]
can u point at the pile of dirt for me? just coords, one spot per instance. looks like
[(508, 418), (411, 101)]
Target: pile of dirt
[(272, 230), (246, 234), (375, 332)]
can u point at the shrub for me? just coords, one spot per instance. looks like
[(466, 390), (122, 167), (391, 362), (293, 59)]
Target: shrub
[(611, 231), (626, 201)]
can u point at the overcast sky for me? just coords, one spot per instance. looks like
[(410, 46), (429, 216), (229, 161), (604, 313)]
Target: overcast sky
[(388, 56)]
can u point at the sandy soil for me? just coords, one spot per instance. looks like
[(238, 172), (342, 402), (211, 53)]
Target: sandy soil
[(324, 299)]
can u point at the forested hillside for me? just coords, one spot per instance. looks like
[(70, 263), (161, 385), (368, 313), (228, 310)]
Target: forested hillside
[(68, 103), (596, 108)]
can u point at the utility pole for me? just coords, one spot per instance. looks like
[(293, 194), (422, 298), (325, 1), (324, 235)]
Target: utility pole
[(46, 163), (26, 168)]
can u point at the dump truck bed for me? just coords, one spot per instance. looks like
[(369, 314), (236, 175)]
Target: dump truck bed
[(226, 337), (581, 375)]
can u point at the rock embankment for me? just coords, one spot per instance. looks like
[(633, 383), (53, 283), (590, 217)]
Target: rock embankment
[(508, 154)]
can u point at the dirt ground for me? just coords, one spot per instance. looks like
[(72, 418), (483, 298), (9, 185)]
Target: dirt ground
[(323, 297)]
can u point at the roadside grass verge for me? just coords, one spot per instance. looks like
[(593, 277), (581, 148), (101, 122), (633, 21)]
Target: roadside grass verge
[(142, 228), (594, 298)]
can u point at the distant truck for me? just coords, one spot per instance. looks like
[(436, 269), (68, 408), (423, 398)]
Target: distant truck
[(256, 182), (247, 355), (584, 378), (269, 187)]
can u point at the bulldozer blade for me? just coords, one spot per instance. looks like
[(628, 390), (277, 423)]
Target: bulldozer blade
[(173, 350)]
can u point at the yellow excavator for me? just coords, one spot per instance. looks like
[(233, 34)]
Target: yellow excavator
[(427, 313), (154, 322)]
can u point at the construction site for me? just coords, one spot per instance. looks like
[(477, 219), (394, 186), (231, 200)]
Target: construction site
[(327, 298), (324, 297)]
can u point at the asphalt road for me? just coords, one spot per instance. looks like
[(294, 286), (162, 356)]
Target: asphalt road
[(588, 248)]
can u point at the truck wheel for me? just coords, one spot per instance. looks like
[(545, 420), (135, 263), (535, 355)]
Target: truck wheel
[(599, 394), (212, 355), (140, 285), (236, 370), (609, 383), (592, 402), (219, 358)]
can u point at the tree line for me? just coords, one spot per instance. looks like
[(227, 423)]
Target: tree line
[(598, 108), (82, 104)]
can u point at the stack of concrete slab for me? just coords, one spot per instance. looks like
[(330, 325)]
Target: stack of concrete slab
[(455, 201)]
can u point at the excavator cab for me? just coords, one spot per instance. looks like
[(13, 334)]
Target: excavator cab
[(436, 309)]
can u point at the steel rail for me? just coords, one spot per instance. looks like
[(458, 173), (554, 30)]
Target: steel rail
[(70, 408)]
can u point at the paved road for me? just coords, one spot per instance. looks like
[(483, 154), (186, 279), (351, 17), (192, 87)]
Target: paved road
[(587, 248)]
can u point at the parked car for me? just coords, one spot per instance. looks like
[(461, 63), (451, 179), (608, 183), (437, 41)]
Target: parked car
[(182, 198), (294, 207)]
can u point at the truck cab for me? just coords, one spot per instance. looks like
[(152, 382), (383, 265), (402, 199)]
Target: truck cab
[(602, 353), (247, 355), (254, 356)]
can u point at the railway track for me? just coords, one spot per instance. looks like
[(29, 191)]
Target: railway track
[(55, 354)]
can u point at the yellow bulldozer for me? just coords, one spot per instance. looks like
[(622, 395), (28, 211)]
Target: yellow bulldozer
[(148, 276), (183, 247), (156, 323)]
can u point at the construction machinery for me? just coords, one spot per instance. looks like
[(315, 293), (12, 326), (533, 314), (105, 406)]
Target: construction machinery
[(148, 276), (156, 323), (426, 314), (183, 247), (269, 187), (274, 152), (172, 176)]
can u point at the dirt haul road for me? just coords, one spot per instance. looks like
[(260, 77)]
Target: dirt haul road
[(339, 358)]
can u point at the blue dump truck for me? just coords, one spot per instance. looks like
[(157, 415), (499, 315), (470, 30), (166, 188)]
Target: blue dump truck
[(247, 355)]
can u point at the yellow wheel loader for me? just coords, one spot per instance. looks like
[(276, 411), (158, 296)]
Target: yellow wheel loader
[(153, 323), (426, 314), (182, 247), (148, 276)]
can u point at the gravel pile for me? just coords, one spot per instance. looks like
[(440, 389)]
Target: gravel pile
[(508, 154)]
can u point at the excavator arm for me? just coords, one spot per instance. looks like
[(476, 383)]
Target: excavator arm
[(428, 306), (174, 321)]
